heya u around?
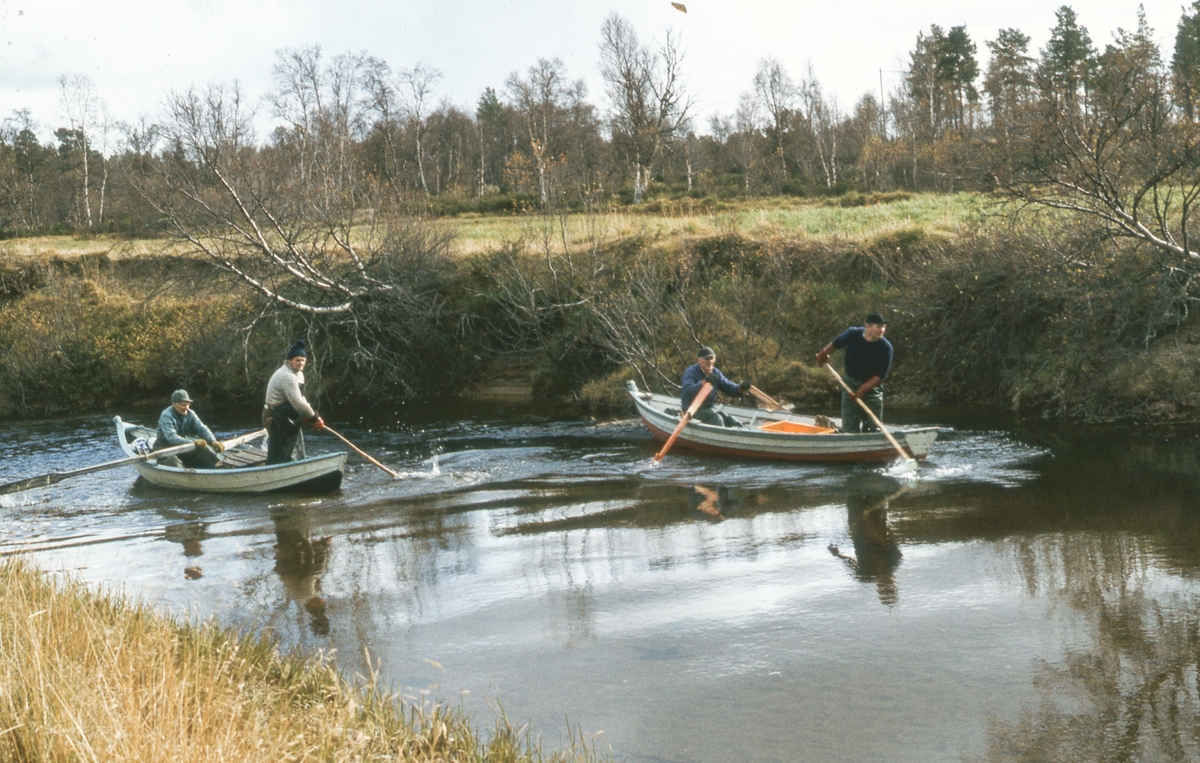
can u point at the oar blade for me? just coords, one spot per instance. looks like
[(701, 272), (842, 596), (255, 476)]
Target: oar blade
[(42, 480)]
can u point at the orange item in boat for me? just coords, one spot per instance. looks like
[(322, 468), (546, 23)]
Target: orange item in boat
[(792, 427)]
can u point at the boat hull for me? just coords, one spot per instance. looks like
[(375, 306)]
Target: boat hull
[(311, 475), (660, 414)]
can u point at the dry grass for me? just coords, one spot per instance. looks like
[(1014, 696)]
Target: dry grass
[(37, 248), (663, 221), (85, 677)]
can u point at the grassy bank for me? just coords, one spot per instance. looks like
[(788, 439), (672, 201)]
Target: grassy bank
[(1036, 316), (93, 677)]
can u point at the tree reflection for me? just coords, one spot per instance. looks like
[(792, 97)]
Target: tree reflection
[(876, 553), (299, 563), (1130, 693)]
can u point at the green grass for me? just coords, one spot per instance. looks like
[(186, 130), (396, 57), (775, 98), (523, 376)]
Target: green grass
[(758, 218)]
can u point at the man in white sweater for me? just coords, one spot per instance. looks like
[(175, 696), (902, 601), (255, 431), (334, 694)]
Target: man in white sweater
[(286, 408)]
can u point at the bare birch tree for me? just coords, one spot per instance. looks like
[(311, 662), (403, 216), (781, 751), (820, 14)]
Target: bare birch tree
[(84, 113), (776, 94), (544, 101), (647, 102), (416, 87)]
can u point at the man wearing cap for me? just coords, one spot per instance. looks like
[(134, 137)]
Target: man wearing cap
[(867, 362), (285, 408), (179, 425), (705, 370)]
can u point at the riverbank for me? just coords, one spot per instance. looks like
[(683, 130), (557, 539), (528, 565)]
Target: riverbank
[(88, 675), (1033, 316)]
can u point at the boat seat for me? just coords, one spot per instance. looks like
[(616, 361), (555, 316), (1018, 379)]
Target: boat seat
[(244, 456)]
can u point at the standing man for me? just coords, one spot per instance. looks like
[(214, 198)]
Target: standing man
[(867, 362), (285, 408), (179, 425), (705, 370)]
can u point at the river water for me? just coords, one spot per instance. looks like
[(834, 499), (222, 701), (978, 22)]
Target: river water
[(1033, 595)]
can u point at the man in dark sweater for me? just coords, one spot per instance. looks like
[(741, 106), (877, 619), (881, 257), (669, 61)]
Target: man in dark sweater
[(867, 362), (705, 370)]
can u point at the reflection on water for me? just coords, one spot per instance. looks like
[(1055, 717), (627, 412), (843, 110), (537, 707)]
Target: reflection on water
[(299, 562), (876, 552), (1032, 596)]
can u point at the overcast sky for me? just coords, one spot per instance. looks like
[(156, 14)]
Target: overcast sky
[(135, 51)]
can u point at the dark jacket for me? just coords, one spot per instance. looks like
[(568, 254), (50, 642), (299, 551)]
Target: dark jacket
[(693, 378)]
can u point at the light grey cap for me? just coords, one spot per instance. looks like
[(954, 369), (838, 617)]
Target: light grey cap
[(180, 396)]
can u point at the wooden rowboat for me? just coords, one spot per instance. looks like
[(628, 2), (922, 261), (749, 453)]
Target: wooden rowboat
[(775, 434), (243, 468)]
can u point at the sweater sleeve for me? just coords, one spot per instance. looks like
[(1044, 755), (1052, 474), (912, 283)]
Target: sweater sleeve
[(195, 425), (297, 399), (726, 386)]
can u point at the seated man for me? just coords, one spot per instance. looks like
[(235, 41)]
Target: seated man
[(705, 370), (179, 425)]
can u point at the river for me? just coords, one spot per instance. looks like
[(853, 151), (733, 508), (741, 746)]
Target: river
[(1032, 595)]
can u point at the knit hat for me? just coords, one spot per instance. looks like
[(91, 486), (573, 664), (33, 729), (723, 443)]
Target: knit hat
[(875, 319), (297, 350), (706, 352), (180, 396)]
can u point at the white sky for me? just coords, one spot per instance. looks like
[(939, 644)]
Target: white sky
[(136, 50)]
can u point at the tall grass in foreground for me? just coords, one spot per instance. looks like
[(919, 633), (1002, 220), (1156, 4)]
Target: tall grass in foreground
[(86, 677)]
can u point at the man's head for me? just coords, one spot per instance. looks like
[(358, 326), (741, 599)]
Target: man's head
[(297, 356), (873, 327), (707, 359), (180, 401)]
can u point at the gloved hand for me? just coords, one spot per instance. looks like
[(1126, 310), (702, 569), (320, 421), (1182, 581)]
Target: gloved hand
[(318, 424), (218, 446), (711, 378), (823, 355), (201, 444), (744, 387)]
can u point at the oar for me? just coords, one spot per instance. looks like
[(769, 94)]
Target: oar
[(52, 478), (909, 462), (685, 418), (769, 401), (355, 448)]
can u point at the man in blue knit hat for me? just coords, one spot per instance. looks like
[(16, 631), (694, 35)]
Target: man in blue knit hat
[(867, 362), (286, 408)]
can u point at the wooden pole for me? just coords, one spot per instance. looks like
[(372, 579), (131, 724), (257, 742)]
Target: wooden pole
[(685, 418), (355, 448), (909, 461)]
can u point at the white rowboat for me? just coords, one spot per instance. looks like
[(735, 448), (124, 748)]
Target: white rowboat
[(775, 434), (243, 471)]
